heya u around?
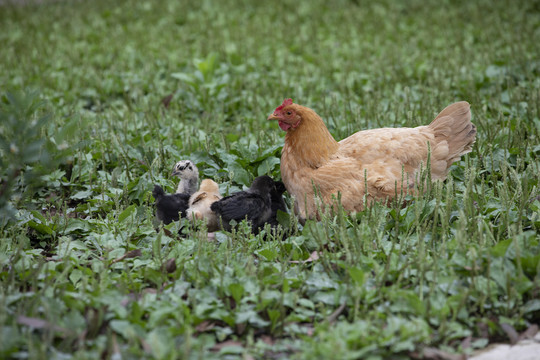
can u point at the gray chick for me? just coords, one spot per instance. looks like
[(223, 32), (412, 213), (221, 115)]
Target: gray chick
[(170, 207)]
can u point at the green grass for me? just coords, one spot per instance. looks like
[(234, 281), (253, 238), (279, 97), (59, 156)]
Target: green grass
[(85, 274)]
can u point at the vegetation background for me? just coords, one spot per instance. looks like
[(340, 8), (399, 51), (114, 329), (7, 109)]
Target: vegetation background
[(100, 98)]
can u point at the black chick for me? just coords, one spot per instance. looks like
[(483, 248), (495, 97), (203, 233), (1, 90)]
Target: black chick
[(168, 206), (253, 204), (276, 197)]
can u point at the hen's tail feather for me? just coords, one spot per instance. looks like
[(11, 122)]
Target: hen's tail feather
[(453, 126)]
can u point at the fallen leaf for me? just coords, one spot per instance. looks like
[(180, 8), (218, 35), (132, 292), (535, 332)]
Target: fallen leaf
[(39, 323), (535, 198), (226, 343), (133, 253), (128, 255), (32, 322), (170, 265), (511, 333), (168, 233), (146, 346), (483, 330), (333, 317), (167, 100), (466, 343), (205, 326), (310, 330), (82, 336), (313, 257), (529, 333), (240, 328), (268, 340), (116, 348)]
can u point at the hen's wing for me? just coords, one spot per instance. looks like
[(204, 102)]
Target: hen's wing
[(406, 145), (450, 136)]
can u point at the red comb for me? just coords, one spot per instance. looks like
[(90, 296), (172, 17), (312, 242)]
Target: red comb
[(286, 102)]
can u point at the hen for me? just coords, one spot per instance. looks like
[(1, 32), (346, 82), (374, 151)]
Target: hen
[(255, 204), (369, 165), (169, 207), (200, 202)]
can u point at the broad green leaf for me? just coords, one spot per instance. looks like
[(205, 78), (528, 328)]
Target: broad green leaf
[(41, 228), (500, 248), (357, 275), (267, 166), (286, 288), (182, 76), (269, 254), (37, 215), (530, 265), (126, 213), (284, 219), (124, 328), (531, 306), (237, 291), (75, 276), (84, 194)]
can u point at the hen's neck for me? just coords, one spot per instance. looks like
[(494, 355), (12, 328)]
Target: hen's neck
[(311, 144)]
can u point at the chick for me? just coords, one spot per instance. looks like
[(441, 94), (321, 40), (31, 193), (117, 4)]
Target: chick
[(276, 197), (189, 176), (169, 207), (254, 204), (200, 203)]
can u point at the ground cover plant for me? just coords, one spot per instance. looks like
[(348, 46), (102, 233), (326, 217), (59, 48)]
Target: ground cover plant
[(99, 99)]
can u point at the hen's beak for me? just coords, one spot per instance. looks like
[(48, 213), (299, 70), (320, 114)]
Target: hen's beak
[(272, 117)]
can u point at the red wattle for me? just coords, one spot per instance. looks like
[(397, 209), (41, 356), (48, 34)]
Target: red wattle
[(283, 125)]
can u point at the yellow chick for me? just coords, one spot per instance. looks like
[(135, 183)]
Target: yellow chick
[(200, 202)]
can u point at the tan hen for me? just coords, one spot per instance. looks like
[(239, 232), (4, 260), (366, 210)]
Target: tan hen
[(376, 164)]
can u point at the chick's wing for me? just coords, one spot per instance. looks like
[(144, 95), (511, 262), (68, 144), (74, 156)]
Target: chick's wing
[(239, 206)]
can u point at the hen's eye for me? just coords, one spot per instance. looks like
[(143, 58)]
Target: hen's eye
[(289, 112)]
